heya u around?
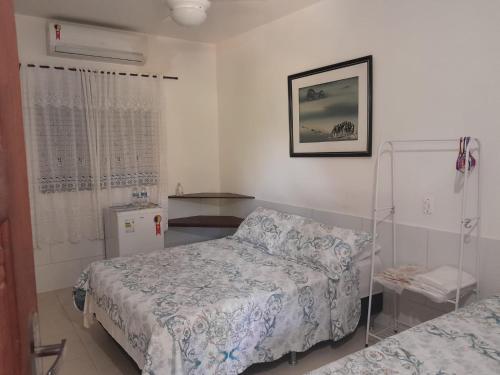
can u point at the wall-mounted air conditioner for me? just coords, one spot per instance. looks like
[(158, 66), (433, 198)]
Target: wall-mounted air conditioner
[(96, 43)]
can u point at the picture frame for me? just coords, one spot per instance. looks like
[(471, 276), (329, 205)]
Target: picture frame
[(330, 110)]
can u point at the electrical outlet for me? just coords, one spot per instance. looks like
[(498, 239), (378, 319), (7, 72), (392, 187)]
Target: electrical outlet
[(428, 206)]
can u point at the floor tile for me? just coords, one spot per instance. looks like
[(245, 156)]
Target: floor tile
[(109, 356), (65, 297), (79, 366), (48, 302), (95, 334), (74, 349), (56, 327)]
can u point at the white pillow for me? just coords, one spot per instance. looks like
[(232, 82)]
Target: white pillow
[(304, 240), (268, 228)]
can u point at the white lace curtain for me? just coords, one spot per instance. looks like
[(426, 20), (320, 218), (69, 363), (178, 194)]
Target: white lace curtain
[(91, 138)]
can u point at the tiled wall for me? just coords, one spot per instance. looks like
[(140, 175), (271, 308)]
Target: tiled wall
[(58, 267), (415, 245)]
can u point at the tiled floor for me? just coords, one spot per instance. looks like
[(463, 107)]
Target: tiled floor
[(93, 351)]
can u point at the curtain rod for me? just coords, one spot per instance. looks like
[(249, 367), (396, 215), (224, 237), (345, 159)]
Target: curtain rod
[(100, 71)]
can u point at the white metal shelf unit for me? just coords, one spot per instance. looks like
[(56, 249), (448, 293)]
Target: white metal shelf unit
[(467, 223)]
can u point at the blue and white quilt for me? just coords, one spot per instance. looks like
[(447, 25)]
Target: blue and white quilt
[(462, 342), (217, 307)]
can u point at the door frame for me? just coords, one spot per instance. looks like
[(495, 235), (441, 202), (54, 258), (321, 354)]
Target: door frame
[(17, 271)]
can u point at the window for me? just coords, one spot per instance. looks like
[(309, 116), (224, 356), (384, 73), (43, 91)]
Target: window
[(89, 127)]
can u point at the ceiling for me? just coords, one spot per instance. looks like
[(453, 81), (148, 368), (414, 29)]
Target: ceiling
[(226, 18)]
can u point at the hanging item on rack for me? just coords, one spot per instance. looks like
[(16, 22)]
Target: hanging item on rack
[(57, 27), (462, 157), (157, 220)]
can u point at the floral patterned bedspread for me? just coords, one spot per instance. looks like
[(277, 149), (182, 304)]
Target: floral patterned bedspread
[(462, 342), (217, 307)]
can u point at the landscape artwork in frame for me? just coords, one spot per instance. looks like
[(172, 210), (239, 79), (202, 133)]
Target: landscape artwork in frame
[(330, 110)]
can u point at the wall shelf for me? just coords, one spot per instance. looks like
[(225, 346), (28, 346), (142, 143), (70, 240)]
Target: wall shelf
[(211, 195), (206, 221)]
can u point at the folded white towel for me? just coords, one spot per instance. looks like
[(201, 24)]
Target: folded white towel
[(444, 279)]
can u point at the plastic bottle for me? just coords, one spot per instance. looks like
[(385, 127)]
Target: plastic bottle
[(135, 196), (179, 190), (144, 196)]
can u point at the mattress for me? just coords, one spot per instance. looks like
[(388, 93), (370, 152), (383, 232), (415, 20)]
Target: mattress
[(216, 307), (364, 276), (462, 342)]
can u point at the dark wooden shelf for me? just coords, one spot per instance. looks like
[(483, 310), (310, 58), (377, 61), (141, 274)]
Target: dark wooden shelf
[(202, 221), (212, 195)]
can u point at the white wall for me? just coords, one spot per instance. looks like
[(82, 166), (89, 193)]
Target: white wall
[(191, 120), (416, 245), (435, 75)]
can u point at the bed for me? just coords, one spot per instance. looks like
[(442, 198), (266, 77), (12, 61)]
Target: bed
[(281, 284), (462, 342)]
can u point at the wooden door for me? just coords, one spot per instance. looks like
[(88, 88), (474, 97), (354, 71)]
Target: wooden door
[(17, 276)]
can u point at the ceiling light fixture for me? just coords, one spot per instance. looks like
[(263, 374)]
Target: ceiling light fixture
[(188, 12)]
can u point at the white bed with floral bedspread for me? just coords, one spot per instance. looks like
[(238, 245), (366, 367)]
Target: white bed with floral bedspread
[(282, 283), (462, 342)]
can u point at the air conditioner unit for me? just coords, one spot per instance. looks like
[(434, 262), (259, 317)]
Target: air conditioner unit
[(96, 43)]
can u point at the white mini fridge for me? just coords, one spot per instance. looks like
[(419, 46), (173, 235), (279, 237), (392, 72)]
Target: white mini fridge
[(132, 230)]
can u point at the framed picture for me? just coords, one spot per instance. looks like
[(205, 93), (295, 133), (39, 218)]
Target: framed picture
[(330, 110)]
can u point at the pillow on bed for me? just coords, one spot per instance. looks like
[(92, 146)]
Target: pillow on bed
[(302, 239), (264, 228), (314, 245), (361, 242), (329, 248)]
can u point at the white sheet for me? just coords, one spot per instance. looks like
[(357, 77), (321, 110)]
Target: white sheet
[(364, 276), (443, 281)]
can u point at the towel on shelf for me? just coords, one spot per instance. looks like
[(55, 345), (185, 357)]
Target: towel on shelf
[(398, 278), (443, 280)]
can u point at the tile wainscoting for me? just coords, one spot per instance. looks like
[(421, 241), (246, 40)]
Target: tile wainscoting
[(416, 245), (58, 267)]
